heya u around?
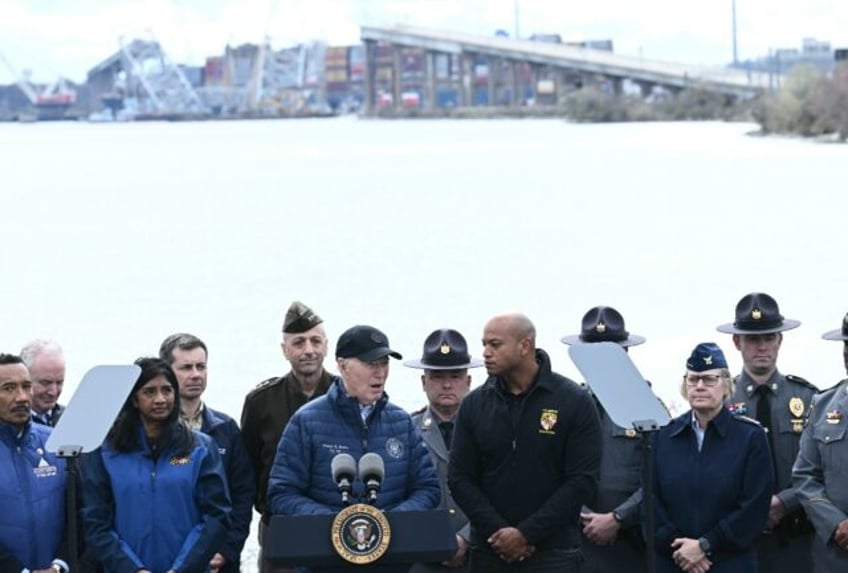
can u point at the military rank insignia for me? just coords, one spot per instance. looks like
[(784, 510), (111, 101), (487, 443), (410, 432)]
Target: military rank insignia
[(548, 421), (834, 417), (738, 408)]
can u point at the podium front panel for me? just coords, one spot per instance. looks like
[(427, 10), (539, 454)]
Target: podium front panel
[(416, 536)]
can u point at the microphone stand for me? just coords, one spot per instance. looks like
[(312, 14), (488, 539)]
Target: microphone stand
[(646, 428)]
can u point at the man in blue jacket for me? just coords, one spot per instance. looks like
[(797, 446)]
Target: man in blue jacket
[(32, 481), (187, 355), (353, 417)]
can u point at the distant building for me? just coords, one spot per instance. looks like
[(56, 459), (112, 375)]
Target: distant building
[(815, 53)]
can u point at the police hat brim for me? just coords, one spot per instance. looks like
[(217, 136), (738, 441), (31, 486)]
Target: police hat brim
[(731, 328), (473, 363), (631, 340), (837, 334)]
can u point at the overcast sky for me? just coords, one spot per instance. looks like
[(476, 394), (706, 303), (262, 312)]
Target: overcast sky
[(67, 37)]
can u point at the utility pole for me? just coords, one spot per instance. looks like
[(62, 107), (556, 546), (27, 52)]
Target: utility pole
[(515, 8), (735, 53)]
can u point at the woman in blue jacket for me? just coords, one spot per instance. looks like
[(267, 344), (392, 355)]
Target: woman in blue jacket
[(155, 496), (712, 477)]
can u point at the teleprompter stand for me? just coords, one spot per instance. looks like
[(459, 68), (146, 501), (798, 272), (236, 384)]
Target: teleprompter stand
[(630, 403), (82, 428)]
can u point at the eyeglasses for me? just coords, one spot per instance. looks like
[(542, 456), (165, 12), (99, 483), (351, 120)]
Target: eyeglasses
[(709, 380)]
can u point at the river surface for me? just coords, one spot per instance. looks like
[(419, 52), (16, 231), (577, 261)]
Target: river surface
[(116, 235)]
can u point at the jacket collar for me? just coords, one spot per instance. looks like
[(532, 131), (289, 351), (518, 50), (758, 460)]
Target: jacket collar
[(720, 423), (749, 386)]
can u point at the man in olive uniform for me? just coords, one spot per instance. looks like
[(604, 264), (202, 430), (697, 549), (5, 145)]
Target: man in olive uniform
[(612, 538), (445, 361), (780, 403), (268, 407), (819, 472)]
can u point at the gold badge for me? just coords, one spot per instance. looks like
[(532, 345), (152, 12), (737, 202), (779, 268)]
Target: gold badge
[(630, 433), (444, 349), (600, 328), (360, 534), (796, 406), (548, 421), (756, 314)]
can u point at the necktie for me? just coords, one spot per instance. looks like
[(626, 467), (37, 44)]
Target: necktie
[(447, 432), (764, 418)]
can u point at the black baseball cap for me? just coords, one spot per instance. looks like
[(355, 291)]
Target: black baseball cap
[(365, 343)]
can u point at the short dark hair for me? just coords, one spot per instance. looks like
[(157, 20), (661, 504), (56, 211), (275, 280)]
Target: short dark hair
[(183, 341), (10, 359)]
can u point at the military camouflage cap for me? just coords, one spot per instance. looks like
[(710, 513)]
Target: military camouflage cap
[(300, 318)]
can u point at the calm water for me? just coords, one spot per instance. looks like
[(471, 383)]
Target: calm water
[(115, 236)]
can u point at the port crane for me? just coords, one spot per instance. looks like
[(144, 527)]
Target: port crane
[(51, 100)]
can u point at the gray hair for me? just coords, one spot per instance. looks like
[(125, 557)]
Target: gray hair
[(34, 348)]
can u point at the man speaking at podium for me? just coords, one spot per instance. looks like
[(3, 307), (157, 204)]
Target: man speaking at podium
[(355, 418)]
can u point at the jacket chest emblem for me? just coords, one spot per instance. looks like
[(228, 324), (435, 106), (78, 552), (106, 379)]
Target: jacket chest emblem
[(179, 460), (394, 448), (44, 469), (548, 421), (833, 417)]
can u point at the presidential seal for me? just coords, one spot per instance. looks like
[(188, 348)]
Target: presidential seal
[(360, 534)]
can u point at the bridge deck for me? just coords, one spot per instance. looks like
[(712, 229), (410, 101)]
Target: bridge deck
[(725, 80)]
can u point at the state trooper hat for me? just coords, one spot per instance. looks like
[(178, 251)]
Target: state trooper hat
[(603, 324), (365, 343), (839, 333), (758, 313), (300, 318), (445, 349)]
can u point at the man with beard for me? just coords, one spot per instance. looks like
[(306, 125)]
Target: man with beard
[(781, 404), (268, 407)]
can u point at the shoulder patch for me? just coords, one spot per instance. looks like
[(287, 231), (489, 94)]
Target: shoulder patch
[(265, 384), (420, 410), (801, 381)]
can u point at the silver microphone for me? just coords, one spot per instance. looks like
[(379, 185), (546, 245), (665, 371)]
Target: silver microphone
[(372, 470), (343, 468)]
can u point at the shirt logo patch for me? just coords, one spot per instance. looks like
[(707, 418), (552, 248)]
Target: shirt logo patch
[(44, 469), (179, 460), (548, 421)]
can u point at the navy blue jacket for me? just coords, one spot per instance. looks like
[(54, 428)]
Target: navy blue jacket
[(239, 471), (32, 499), (159, 514), (301, 481), (722, 493), (528, 461)]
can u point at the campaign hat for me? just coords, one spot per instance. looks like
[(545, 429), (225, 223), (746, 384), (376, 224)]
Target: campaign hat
[(300, 318), (603, 324), (445, 349), (839, 333), (758, 313), (365, 343)]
